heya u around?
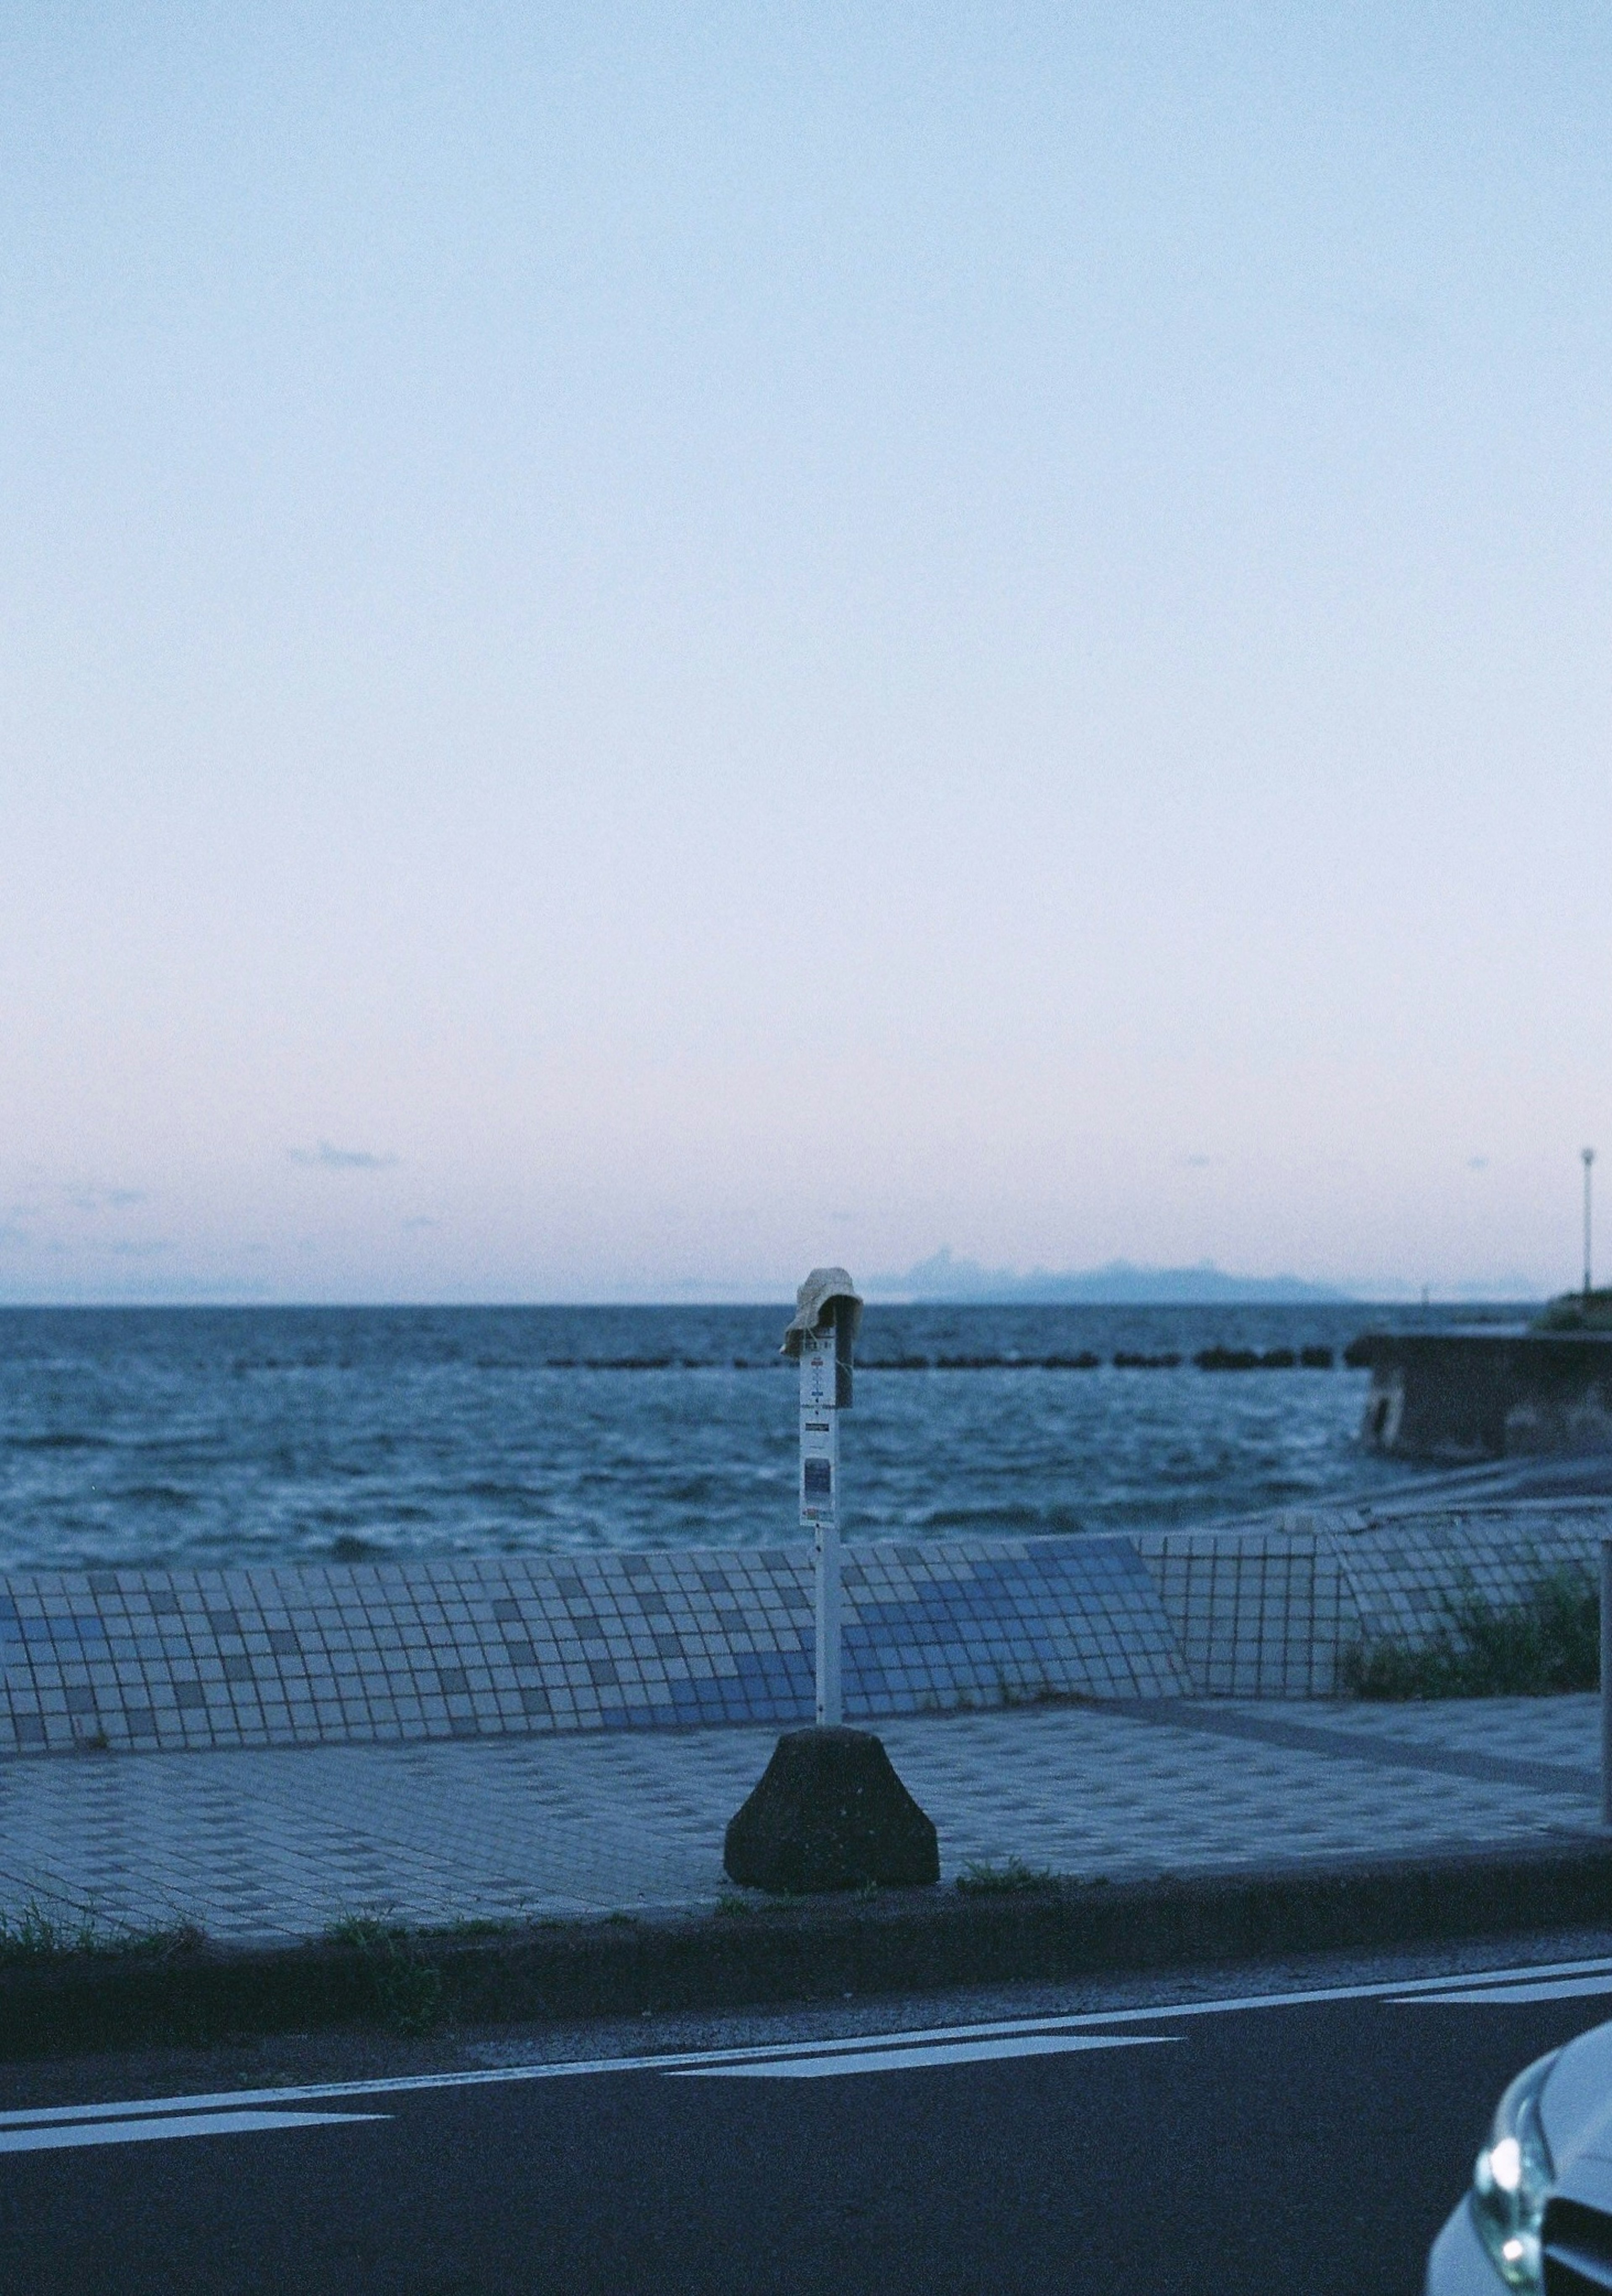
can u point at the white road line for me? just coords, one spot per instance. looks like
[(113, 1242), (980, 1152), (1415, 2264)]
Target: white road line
[(51, 2136), (878, 2060), (1560, 1988), (1479, 1985)]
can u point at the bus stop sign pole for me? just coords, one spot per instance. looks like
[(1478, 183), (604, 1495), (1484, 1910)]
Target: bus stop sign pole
[(821, 1513), (829, 1812), (823, 1335)]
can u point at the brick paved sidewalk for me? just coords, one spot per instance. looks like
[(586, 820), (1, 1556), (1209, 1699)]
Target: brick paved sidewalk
[(278, 1844)]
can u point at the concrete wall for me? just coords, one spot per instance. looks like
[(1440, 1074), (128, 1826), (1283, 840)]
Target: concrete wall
[(1475, 1395)]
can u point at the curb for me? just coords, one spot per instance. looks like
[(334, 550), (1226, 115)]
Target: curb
[(899, 1941)]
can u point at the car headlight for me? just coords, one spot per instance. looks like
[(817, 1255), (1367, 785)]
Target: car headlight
[(1511, 2182)]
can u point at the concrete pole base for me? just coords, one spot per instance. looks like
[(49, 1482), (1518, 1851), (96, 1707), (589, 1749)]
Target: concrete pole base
[(830, 1813)]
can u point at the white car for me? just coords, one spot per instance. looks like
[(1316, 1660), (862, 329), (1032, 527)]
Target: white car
[(1538, 2216)]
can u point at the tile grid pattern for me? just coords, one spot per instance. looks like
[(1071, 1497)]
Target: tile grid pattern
[(1256, 1614), (282, 1843), (1268, 1612), (153, 1659), (561, 1643), (1403, 1575)]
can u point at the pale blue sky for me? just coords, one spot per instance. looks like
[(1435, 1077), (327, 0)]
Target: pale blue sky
[(646, 644)]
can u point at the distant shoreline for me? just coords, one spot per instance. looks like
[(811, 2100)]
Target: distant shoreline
[(1474, 1310)]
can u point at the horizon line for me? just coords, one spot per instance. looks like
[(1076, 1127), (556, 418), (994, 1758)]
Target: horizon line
[(1403, 1297)]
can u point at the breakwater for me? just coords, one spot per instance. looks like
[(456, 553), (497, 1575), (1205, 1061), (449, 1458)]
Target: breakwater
[(1213, 1358), (1491, 1394)]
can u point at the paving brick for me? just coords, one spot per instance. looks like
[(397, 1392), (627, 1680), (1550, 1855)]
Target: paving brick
[(281, 1842)]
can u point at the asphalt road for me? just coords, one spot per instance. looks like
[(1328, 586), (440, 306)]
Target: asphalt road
[(1288, 2144)]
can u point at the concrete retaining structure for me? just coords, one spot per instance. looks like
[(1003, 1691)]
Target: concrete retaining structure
[(168, 1660), (1486, 1394)]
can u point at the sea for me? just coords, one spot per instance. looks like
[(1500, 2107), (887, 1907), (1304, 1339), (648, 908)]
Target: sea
[(224, 1436)]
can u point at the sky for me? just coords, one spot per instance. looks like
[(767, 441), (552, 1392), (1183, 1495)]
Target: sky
[(642, 645)]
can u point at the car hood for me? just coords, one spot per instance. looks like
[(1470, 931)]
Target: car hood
[(1576, 2112)]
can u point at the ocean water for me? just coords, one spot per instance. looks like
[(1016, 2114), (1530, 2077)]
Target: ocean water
[(208, 1436)]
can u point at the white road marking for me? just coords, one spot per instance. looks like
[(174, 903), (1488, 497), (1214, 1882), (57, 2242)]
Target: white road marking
[(885, 2059), (51, 2136), (1482, 1986), (1558, 1989)]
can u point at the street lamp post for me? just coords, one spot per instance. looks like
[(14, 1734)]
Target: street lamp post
[(1589, 1156)]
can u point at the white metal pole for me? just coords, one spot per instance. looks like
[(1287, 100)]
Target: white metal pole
[(1606, 1682), (1589, 1156), (820, 1510), (830, 1712)]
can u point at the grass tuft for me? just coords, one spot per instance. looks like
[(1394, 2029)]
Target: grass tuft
[(406, 1984), (34, 1933), (1546, 1642), (981, 1878), (731, 1903), (360, 1929), (1576, 1311)]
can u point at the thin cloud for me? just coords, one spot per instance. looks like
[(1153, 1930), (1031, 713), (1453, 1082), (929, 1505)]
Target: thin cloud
[(97, 1199), (1477, 1163), (327, 1158)]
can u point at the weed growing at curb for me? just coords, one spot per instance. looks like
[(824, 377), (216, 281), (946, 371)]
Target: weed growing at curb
[(35, 1934), (174, 1937), (408, 1984), (734, 1902), (1546, 1642), (361, 1929), (982, 1878)]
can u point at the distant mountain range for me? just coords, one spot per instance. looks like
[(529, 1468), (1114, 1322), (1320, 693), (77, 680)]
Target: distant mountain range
[(1119, 1284)]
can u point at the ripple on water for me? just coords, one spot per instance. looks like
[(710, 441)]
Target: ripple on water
[(199, 1435)]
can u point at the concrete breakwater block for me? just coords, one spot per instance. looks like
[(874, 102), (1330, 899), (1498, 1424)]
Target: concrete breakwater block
[(1495, 1394), (829, 1813)]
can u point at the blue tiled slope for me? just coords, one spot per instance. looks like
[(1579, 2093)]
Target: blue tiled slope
[(277, 1657)]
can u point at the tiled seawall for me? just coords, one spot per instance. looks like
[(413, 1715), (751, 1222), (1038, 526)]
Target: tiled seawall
[(135, 1659), (1267, 1613), (256, 1658)]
